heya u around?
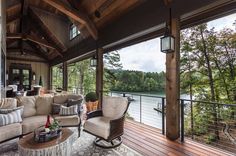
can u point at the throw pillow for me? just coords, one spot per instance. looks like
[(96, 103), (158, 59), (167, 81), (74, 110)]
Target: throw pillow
[(8, 103), (13, 117), (29, 105), (6, 111), (44, 105), (72, 102), (56, 108), (72, 110)]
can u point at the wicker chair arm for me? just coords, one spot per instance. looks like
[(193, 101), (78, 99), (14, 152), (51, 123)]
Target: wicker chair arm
[(94, 114), (117, 127)]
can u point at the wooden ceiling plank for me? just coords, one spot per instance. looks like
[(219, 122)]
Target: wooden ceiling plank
[(78, 16), (48, 35)]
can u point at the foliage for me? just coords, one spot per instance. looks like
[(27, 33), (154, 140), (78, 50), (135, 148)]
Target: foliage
[(138, 81), (208, 73), (92, 96)]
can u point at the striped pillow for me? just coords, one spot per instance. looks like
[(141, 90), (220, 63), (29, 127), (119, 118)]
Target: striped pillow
[(72, 110), (13, 117), (6, 111)]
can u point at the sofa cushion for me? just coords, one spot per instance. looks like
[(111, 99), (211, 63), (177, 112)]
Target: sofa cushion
[(12, 117), (29, 105), (71, 120), (99, 126), (60, 99), (75, 96), (72, 110), (114, 107), (10, 131), (44, 105), (29, 124), (8, 103)]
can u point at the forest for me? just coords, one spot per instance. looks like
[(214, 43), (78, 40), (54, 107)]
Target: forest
[(207, 73)]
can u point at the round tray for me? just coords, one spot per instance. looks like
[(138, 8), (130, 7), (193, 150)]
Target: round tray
[(41, 136)]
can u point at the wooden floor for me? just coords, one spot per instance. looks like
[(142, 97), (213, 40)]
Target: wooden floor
[(149, 141)]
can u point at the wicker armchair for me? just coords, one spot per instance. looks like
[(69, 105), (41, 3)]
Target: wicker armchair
[(108, 124)]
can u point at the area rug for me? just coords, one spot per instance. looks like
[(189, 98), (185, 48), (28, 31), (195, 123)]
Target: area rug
[(82, 146)]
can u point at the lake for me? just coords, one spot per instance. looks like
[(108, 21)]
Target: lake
[(149, 116)]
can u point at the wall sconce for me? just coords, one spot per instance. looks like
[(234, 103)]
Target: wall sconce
[(34, 76), (168, 41), (7, 75), (93, 61)]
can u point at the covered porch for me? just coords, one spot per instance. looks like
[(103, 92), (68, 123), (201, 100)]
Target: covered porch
[(39, 35)]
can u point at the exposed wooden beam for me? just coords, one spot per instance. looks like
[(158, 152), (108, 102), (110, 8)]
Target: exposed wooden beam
[(26, 51), (13, 7), (31, 38), (14, 36), (38, 50), (39, 41), (78, 16), (25, 59)]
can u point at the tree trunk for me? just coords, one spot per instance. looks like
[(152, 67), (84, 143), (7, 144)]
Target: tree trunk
[(211, 83)]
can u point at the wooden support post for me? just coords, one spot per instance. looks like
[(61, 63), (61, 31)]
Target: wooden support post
[(173, 86), (99, 76), (65, 76), (50, 78)]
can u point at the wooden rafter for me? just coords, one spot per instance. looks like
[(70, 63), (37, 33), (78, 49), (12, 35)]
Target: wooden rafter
[(31, 38), (38, 50), (13, 19), (76, 15), (26, 51)]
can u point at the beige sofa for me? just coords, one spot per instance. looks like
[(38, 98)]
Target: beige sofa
[(36, 109)]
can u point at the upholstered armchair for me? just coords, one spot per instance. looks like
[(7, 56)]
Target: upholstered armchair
[(108, 124)]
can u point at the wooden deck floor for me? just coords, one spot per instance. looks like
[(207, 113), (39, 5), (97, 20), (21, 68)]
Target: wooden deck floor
[(149, 141)]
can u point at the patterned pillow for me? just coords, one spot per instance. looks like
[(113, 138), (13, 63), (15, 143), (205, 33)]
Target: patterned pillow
[(56, 108), (6, 111), (13, 117), (72, 110), (72, 102)]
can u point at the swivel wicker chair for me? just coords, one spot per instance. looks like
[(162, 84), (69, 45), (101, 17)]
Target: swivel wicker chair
[(108, 124)]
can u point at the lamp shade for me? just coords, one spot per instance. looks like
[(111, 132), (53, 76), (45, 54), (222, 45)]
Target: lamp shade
[(93, 62), (168, 44)]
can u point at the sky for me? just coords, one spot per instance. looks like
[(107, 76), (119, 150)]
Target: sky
[(146, 56)]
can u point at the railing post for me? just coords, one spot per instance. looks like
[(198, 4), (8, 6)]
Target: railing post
[(182, 120), (140, 109), (163, 115)]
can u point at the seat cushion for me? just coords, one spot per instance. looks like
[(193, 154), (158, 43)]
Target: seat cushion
[(29, 105), (10, 131), (71, 120), (99, 126), (29, 124), (44, 105), (60, 99), (114, 107)]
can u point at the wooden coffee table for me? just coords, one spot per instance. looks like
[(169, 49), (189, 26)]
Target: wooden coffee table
[(61, 146)]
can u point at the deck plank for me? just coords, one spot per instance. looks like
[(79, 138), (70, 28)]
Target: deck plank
[(149, 141)]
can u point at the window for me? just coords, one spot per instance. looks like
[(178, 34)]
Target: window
[(74, 31)]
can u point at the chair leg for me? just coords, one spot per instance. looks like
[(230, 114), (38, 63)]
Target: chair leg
[(78, 131), (112, 144)]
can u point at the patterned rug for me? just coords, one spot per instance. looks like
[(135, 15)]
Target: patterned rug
[(82, 146)]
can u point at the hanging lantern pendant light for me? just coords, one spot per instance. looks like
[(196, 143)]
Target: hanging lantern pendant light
[(168, 40)]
